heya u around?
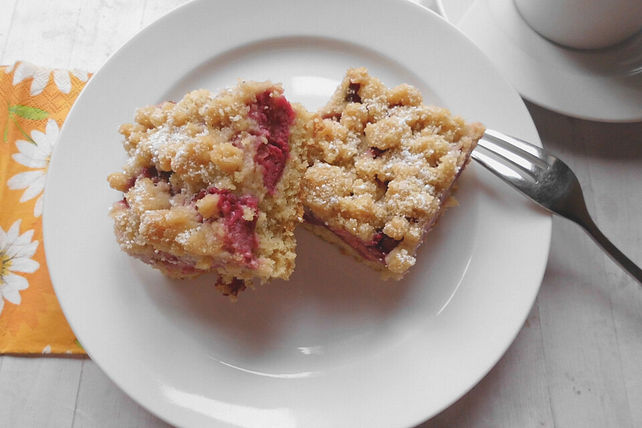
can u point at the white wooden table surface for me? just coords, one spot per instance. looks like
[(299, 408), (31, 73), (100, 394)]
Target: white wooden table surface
[(577, 361)]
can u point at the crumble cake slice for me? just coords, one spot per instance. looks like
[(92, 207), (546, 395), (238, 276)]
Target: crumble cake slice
[(382, 166), (212, 184)]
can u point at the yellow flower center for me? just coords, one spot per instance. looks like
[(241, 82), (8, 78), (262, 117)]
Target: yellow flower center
[(5, 264)]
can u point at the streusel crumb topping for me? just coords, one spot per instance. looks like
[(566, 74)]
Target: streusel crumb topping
[(212, 183), (382, 166)]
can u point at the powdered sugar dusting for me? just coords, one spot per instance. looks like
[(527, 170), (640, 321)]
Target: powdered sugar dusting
[(184, 237), (203, 145), (384, 162)]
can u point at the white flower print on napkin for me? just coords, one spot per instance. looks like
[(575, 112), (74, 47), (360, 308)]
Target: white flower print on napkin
[(41, 75), (34, 156), (16, 251)]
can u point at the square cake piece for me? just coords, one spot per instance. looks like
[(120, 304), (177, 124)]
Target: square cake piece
[(212, 184), (382, 167)]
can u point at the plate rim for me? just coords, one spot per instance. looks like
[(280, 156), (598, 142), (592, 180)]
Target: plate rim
[(534, 93)]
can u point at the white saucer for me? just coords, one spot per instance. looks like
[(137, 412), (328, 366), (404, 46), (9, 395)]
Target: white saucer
[(603, 85)]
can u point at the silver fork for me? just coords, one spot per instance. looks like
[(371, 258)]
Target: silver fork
[(546, 180)]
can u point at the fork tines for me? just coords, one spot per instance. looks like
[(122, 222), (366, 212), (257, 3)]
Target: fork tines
[(509, 156)]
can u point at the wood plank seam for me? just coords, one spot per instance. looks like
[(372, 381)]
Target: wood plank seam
[(73, 43), (82, 370), (546, 364), (605, 262), (619, 359), (141, 24)]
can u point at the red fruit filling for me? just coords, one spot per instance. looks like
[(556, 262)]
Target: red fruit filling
[(171, 262), (155, 175), (233, 288), (375, 152), (333, 116), (274, 115), (375, 250), (239, 232), (150, 172), (352, 95)]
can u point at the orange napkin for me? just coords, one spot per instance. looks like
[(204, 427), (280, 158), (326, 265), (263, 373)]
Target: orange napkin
[(34, 103)]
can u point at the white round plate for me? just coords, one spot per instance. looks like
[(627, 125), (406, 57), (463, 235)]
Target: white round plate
[(453, 10), (334, 346), (601, 85)]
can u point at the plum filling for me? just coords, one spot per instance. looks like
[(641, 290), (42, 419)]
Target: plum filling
[(374, 250), (274, 115), (150, 172), (233, 288), (333, 116), (375, 152), (352, 95), (155, 175), (240, 237), (171, 262)]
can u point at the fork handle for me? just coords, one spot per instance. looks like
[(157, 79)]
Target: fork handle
[(616, 255)]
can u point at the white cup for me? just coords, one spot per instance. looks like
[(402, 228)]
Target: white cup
[(583, 24)]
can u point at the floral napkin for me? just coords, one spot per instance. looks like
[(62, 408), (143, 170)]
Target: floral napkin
[(34, 104)]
